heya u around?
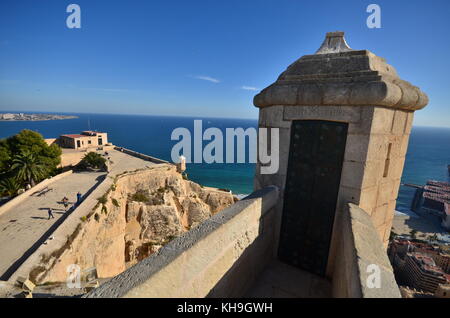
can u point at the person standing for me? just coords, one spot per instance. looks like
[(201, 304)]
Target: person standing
[(50, 213), (79, 196)]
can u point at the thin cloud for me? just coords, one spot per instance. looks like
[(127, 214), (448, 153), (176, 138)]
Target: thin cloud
[(207, 78), (114, 90), (249, 88)]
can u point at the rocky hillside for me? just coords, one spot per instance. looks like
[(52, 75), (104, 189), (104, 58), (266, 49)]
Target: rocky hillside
[(141, 212)]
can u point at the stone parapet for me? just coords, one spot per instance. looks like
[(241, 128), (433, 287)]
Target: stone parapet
[(362, 268), (141, 155)]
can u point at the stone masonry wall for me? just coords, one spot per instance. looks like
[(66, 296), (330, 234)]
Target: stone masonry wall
[(222, 257)]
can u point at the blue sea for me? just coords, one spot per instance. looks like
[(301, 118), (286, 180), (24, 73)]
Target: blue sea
[(427, 158)]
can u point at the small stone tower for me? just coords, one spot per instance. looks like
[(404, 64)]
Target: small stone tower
[(344, 119)]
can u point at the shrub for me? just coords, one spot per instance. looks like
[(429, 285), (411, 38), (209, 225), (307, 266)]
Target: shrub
[(83, 218), (92, 160), (140, 196), (102, 200), (115, 202)]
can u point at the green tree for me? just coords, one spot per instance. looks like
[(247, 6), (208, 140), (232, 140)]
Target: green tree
[(9, 186), (28, 167), (5, 156), (33, 142), (26, 143), (413, 233)]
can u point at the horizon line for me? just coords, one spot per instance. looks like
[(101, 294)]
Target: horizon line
[(123, 114), (161, 115)]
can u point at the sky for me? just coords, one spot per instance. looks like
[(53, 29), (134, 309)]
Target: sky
[(202, 58)]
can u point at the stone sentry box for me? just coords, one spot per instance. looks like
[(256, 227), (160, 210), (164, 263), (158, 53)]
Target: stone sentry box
[(356, 87)]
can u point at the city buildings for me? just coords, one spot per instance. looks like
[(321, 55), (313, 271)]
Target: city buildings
[(419, 265), (420, 271)]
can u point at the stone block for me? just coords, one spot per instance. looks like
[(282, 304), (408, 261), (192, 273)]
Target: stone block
[(285, 94), (396, 168), (372, 172), (399, 122), (382, 120), (404, 145), (378, 216), (363, 126), (396, 145), (345, 114), (390, 212), (273, 117), (368, 199), (386, 190), (309, 94), (356, 147), (409, 122), (377, 147), (395, 189), (337, 94), (352, 174)]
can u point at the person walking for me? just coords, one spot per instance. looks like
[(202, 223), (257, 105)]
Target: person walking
[(50, 213), (65, 201)]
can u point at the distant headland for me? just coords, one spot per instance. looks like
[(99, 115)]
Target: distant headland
[(32, 117)]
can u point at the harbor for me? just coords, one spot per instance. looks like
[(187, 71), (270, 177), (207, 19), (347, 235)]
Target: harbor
[(432, 200)]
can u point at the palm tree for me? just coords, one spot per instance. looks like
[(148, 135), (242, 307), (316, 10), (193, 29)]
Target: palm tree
[(9, 186), (28, 167)]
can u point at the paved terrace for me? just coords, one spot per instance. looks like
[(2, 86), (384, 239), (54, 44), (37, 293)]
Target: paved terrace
[(25, 226)]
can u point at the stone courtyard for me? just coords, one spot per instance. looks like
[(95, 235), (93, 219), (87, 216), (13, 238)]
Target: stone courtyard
[(27, 224)]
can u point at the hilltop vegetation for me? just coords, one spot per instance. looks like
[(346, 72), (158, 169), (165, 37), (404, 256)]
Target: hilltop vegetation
[(25, 159)]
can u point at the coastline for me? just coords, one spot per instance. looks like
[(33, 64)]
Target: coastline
[(16, 117)]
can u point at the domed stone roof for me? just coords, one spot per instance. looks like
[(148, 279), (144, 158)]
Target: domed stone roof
[(339, 75)]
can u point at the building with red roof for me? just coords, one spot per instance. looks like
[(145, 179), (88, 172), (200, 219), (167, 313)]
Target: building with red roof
[(84, 140)]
